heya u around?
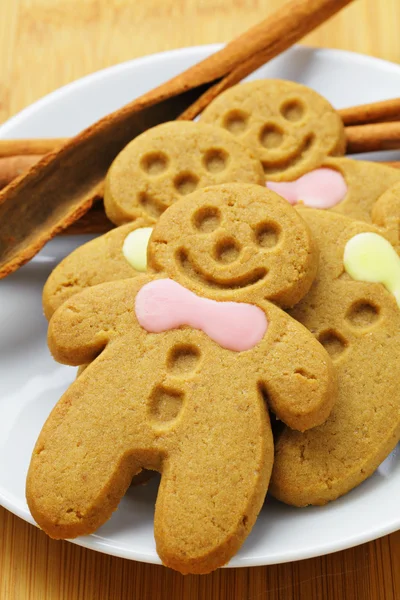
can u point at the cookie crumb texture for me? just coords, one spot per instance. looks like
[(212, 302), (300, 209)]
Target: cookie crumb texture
[(176, 401), (359, 325)]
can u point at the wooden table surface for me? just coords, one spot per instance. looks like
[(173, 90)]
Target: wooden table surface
[(45, 44)]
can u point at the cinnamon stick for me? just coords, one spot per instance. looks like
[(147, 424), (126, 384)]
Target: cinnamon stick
[(94, 221), (22, 147), (375, 112), (59, 189), (373, 137), (14, 166)]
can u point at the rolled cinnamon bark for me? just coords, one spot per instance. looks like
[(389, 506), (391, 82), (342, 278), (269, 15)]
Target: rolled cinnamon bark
[(14, 166), (373, 137), (25, 147), (94, 221), (375, 112)]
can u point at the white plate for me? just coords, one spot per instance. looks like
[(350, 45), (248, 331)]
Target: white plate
[(31, 382)]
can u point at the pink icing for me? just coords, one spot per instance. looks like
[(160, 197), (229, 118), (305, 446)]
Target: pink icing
[(163, 304), (322, 188)]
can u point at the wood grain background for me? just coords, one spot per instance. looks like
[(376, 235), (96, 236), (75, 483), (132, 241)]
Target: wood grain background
[(45, 44)]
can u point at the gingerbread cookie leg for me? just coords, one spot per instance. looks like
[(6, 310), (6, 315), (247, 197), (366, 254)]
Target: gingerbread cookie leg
[(212, 491), (85, 446)]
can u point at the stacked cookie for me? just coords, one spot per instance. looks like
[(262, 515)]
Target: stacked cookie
[(179, 314)]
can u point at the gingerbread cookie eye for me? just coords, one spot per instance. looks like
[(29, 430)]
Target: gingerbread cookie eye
[(235, 241), (207, 219), (169, 162), (154, 163), (267, 234), (236, 122), (293, 110), (290, 127), (216, 160)]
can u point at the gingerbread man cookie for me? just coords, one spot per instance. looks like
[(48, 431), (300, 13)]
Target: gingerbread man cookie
[(296, 134), (353, 309), (185, 360), (169, 161)]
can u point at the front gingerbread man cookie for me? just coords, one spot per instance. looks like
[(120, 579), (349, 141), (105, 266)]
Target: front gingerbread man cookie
[(185, 360)]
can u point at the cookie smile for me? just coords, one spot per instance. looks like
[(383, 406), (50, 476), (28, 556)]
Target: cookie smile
[(303, 151), (194, 272)]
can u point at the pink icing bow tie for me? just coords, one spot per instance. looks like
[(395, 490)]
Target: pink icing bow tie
[(322, 188), (163, 304)]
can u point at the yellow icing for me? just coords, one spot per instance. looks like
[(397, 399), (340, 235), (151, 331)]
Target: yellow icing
[(370, 257), (135, 248)]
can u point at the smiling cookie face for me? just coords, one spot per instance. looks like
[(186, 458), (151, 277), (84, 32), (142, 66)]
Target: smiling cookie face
[(237, 241), (169, 161), (289, 126), (353, 309)]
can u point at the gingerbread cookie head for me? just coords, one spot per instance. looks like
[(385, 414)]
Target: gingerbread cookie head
[(181, 376), (240, 242), (290, 127), (168, 162), (233, 236), (120, 253), (353, 309)]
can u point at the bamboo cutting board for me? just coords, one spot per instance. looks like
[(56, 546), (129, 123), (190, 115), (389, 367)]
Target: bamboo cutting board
[(45, 44)]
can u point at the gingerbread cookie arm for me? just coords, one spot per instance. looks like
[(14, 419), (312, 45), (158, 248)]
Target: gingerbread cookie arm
[(100, 260), (299, 376), (82, 327), (386, 214)]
